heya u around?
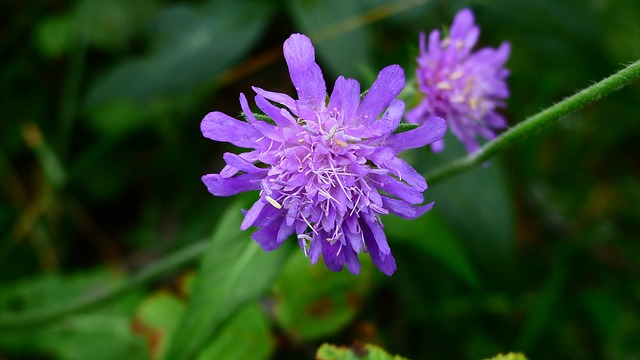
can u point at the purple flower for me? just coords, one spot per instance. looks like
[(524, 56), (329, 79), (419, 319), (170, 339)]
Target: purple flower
[(463, 87), (320, 167)]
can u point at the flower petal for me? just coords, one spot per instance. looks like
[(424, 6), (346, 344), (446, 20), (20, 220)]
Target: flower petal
[(345, 98), (222, 127), (267, 236), (403, 209), (387, 86), (280, 98), (385, 262), (394, 113), (351, 260), (264, 128), (305, 73), (241, 164), (381, 238), (463, 29), (220, 186), (251, 215), (316, 246), (398, 189), (404, 172), (332, 255), (272, 111), (432, 130)]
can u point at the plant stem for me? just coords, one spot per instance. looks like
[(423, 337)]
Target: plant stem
[(538, 121), (190, 253)]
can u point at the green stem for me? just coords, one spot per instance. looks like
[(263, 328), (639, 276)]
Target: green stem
[(9, 321), (544, 118)]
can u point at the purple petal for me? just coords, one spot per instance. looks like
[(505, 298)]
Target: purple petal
[(354, 239), (264, 128), (434, 44), (241, 164), (345, 98), (316, 247), (268, 214), (403, 209), (280, 98), (333, 255), (381, 238), (398, 189), (386, 263), (220, 186), (463, 28), (437, 146), (284, 232), (248, 113), (381, 155), (267, 236), (406, 173), (251, 215), (495, 120), (222, 127), (351, 260), (387, 86), (432, 130), (272, 111), (305, 73), (394, 113)]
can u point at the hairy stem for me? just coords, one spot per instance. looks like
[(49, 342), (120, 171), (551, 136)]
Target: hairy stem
[(538, 121)]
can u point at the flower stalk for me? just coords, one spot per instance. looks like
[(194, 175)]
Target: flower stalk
[(538, 121)]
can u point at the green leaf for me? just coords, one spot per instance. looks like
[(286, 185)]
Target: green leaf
[(509, 356), (234, 272), (94, 336), (250, 328), (159, 315), (357, 351), (191, 47), (51, 289), (313, 302), (431, 234), (102, 334), (333, 27), (156, 319)]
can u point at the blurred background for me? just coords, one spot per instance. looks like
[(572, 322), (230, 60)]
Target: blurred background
[(101, 158)]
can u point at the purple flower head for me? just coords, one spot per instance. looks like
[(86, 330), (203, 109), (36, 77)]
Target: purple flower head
[(325, 171), (462, 86)]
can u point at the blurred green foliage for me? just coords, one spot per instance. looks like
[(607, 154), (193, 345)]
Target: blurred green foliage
[(101, 158)]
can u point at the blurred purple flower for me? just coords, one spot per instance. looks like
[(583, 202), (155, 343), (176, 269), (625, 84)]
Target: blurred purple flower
[(320, 168), (463, 87)]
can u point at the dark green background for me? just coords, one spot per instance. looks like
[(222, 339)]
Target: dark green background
[(101, 158)]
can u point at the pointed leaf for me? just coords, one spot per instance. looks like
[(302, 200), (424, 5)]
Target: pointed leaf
[(233, 272)]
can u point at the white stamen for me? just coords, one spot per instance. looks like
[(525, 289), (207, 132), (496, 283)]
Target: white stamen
[(310, 129), (273, 202), (265, 187), (331, 133), (351, 138), (304, 238), (378, 209), (279, 182), (443, 85), (456, 75)]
